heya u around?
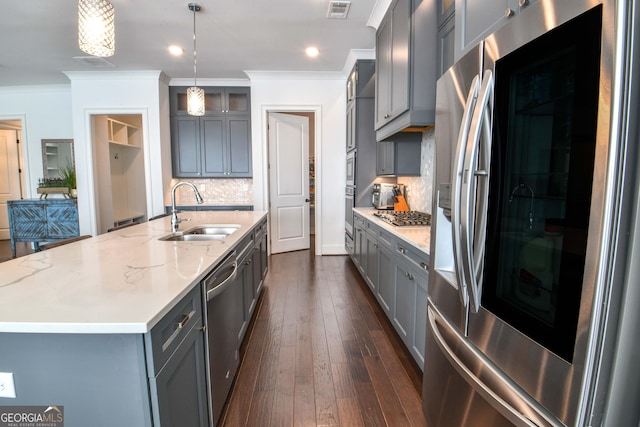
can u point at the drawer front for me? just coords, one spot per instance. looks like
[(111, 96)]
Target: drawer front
[(171, 330), (62, 213), (386, 239), (29, 230), (28, 213), (415, 257)]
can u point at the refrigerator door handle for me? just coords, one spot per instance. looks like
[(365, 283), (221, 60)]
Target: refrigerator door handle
[(462, 142), (495, 387), (475, 192)]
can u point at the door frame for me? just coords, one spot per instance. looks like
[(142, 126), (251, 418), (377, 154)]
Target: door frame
[(87, 153), (317, 141), (23, 151)]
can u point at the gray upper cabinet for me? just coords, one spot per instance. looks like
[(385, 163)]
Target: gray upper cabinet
[(398, 158), (406, 67), (360, 94), (446, 35), (476, 19), (217, 100), (216, 145), (446, 8)]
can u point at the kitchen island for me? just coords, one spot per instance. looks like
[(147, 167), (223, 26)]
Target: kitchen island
[(78, 323)]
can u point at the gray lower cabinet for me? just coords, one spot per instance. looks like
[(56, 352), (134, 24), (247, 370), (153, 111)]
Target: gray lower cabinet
[(359, 243), (371, 254), (410, 307), (398, 276), (260, 258), (386, 279), (245, 284), (178, 386)]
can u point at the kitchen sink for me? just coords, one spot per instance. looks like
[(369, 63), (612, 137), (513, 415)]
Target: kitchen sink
[(202, 233)]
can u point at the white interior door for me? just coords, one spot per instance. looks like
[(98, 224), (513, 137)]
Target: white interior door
[(9, 177), (289, 182)]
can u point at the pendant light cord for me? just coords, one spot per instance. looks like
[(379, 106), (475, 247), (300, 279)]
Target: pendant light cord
[(195, 8)]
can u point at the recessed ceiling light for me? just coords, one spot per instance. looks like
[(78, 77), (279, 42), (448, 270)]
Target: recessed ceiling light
[(175, 50), (312, 51)]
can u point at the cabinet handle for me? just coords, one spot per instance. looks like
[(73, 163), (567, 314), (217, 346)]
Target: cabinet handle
[(401, 250), (509, 13), (185, 320), (409, 276), (523, 3), (424, 266), (375, 245)]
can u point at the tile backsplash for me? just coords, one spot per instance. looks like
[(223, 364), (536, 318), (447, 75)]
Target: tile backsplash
[(239, 191), (420, 187), (219, 191)]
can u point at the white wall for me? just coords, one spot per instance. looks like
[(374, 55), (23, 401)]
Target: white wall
[(64, 112), (323, 93), (45, 112), (143, 93)]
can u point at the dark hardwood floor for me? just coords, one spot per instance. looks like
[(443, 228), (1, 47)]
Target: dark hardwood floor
[(21, 249), (321, 353)]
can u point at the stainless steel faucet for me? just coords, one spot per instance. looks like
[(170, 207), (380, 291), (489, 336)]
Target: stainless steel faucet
[(525, 187), (174, 213)]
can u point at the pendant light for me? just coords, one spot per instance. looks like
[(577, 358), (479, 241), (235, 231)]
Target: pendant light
[(96, 27), (195, 95)]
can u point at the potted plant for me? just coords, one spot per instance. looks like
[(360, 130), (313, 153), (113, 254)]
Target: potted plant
[(68, 175)]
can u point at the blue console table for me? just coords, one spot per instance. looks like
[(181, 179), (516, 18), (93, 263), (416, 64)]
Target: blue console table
[(35, 220)]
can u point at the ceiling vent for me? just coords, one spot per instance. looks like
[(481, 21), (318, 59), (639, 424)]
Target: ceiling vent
[(338, 9), (94, 61)]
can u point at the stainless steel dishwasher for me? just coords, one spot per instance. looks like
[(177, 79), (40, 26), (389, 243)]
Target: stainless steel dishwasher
[(222, 295)]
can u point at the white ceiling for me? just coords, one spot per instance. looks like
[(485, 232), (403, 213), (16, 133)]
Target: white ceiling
[(38, 38)]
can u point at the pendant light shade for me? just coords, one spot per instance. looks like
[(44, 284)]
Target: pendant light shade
[(195, 95), (96, 27), (195, 101)]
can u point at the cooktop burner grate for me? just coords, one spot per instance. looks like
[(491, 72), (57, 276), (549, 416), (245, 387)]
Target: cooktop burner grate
[(405, 219)]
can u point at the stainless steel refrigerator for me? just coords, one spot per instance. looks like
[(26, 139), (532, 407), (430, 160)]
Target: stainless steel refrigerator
[(528, 203)]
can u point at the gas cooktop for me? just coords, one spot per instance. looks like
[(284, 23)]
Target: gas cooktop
[(404, 219)]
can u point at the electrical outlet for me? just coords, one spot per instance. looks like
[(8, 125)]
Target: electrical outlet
[(7, 387)]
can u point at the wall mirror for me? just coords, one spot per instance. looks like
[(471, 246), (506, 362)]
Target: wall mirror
[(56, 154)]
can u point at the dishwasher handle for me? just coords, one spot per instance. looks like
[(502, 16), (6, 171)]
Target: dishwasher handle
[(222, 277)]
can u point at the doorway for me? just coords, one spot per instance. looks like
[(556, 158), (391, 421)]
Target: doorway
[(11, 169), (119, 177), (291, 147)]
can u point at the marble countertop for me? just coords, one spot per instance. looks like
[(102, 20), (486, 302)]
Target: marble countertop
[(418, 237), (119, 282)]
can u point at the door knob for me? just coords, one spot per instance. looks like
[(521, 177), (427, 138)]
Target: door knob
[(307, 200)]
